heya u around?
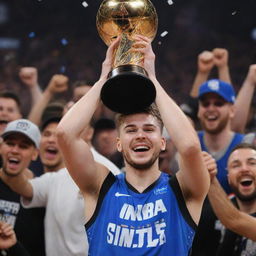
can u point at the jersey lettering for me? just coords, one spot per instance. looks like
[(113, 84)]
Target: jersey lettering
[(136, 238), (142, 212)]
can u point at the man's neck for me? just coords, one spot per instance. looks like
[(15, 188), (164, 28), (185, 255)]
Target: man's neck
[(247, 207), (142, 179), (218, 142), (53, 169)]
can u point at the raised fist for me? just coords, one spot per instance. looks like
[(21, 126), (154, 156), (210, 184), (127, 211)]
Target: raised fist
[(28, 75), (205, 61), (210, 164), (251, 75), (7, 236), (58, 84), (220, 57)]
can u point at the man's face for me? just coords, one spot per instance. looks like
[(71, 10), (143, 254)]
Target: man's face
[(9, 111), (242, 173), (214, 113), (105, 142), (49, 151), (140, 140), (17, 153)]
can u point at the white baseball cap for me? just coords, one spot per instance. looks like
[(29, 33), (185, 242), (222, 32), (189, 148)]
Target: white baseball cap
[(24, 127)]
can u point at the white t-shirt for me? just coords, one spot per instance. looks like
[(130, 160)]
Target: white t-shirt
[(64, 220)]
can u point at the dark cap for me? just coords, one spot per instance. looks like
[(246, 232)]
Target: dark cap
[(52, 114)]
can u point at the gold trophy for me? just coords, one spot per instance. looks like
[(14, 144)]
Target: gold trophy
[(128, 88)]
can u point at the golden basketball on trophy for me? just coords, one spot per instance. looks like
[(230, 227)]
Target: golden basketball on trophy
[(128, 88)]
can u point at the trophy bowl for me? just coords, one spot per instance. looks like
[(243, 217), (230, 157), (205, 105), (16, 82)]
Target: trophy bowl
[(128, 88)]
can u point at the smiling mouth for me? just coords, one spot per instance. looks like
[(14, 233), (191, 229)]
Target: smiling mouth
[(246, 183), (13, 161), (53, 151), (3, 122), (141, 149), (211, 118)]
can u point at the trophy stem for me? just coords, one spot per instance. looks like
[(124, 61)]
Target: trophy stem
[(127, 68)]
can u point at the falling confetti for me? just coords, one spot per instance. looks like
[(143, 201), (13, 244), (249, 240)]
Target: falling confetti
[(31, 34), (64, 41), (159, 42), (84, 4), (164, 34), (253, 34), (62, 69), (234, 13), (170, 2)]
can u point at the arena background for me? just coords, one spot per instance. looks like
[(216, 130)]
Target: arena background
[(60, 36)]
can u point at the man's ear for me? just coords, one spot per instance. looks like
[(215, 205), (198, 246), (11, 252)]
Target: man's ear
[(35, 154), (118, 144), (232, 111), (163, 143)]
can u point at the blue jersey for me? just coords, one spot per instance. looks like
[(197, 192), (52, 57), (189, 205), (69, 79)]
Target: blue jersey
[(223, 160), (155, 222)]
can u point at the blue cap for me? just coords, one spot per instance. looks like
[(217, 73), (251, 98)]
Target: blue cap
[(223, 89)]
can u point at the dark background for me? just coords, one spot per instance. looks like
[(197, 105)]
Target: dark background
[(60, 36)]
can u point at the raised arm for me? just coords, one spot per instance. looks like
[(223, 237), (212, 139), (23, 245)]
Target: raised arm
[(204, 66), (20, 184), (29, 76), (220, 56), (57, 84), (193, 176), (244, 100), (88, 175), (233, 219)]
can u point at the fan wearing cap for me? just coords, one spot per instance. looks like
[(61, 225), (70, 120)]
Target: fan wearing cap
[(216, 110), (55, 190), (20, 146)]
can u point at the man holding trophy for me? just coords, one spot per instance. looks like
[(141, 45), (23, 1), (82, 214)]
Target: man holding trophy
[(141, 211)]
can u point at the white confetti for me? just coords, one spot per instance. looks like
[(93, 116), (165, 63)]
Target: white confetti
[(62, 69), (170, 2), (84, 4), (234, 13), (253, 34), (164, 34), (159, 42), (64, 41), (31, 34)]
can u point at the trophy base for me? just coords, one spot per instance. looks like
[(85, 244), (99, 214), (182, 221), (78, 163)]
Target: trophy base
[(128, 90)]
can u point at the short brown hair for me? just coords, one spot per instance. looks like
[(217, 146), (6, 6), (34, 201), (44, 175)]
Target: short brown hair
[(243, 145), (11, 95), (151, 110)]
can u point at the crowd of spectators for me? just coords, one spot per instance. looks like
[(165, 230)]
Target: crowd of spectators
[(57, 48), (62, 38)]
